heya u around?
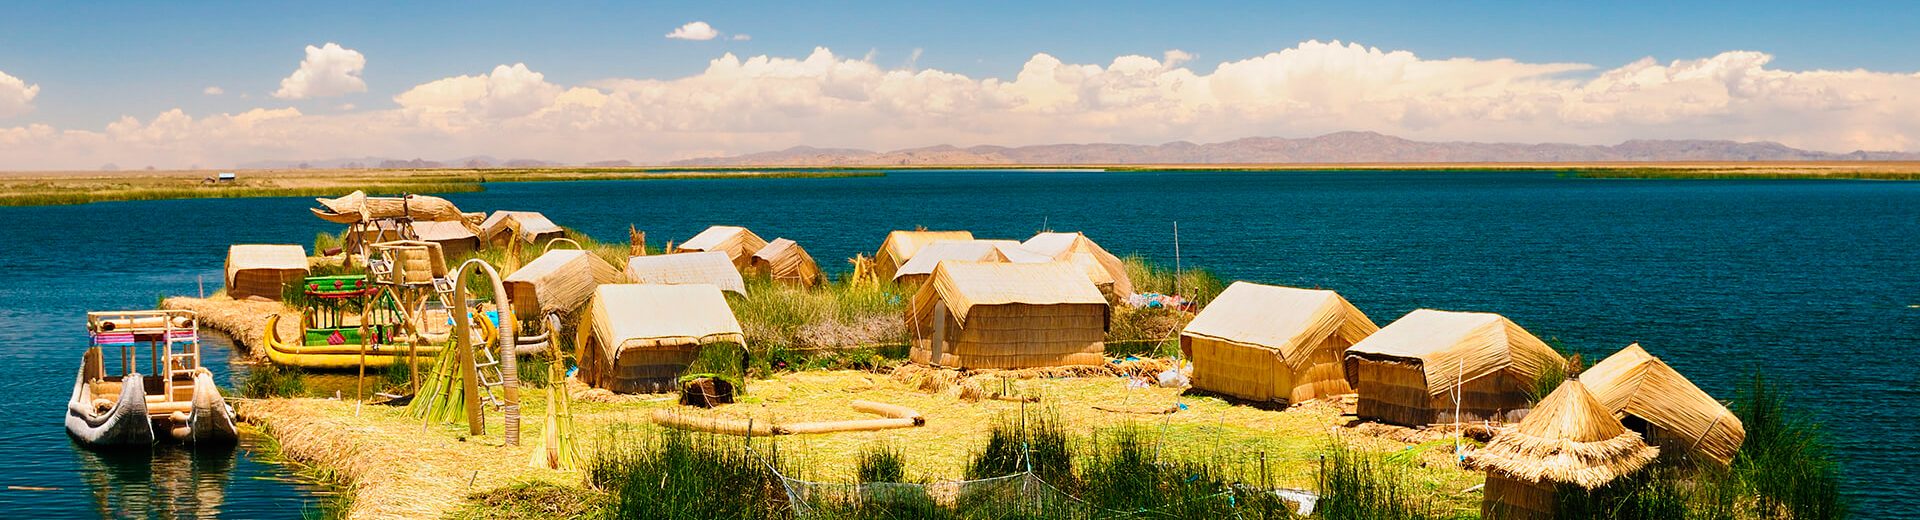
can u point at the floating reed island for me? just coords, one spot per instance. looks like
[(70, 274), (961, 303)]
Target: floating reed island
[(499, 365)]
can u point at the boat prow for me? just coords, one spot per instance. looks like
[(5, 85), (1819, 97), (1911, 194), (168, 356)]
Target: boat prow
[(97, 421)]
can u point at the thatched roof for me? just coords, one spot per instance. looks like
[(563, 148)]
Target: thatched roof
[(241, 257), (532, 224), (645, 315), (900, 246), (785, 260), (961, 286), (1101, 266), (1633, 382), (358, 207), (1568, 438), (1452, 347), (924, 261), (442, 231), (737, 242), (711, 268), (1283, 319), (559, 281)]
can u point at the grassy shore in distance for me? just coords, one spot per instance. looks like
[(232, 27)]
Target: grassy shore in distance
[(62, 188), (53, 189)]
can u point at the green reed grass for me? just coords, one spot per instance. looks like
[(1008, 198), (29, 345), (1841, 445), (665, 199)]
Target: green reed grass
[(1786, 462), (681, 475), (92, 194), (267, 380), (1356, 485)]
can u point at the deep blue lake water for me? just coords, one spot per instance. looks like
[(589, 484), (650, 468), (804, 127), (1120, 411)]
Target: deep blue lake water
[(1816, 283)]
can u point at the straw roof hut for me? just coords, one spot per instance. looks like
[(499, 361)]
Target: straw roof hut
[(261, 271), (1655, 400), (916, 271), (1105, 269), (997, 315), (558, 282), (738, 243), (1569, 439), (535, 228), (1268, 343), (641, 337), (455, 238), (358, 207), (711, 268), (1411, 371), (785, 261), (900, 246)]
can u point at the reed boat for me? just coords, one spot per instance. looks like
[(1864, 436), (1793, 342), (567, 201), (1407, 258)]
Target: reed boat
[(177, 402)]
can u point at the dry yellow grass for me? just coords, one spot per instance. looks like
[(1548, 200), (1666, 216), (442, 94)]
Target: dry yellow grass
[(403, 469)]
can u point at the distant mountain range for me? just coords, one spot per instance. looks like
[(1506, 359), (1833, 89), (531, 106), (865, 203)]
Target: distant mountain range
[(1340, 147)]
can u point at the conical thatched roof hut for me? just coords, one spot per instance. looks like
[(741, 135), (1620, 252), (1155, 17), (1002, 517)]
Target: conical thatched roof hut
[(1105, 269), (640, 337), (738, 243), (534, 227), (558, 282), (261, 271), (1655, 400), (711, 268), (998, 315), (1411, 370), (786, 262), (900, 247), (916, 271), (1268, 343), (1568, 439)]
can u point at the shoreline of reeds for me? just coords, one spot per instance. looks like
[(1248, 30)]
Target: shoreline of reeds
[(52, 192)]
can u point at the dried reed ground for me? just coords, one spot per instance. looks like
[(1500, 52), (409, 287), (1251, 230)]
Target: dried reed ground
[(402, 469)]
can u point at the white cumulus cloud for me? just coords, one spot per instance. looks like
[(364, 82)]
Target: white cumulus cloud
[(16, 96), (698, 31), (740, 104), (741, 37), (328, 70), (213, 91)]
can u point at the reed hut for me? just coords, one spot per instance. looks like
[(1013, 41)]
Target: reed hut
[(261, 271), (900, 247), (455, 238), (1423, 367), (534, 228), (711, 268), (641, 337), (1569, 439), (738, 243), (1268, 343), (785, 261), (915, 271), (558, 282), (1654, 400), (999, 315), (1106, 270)]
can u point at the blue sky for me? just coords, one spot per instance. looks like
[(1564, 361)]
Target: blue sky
[(103, 60), (94, 63)]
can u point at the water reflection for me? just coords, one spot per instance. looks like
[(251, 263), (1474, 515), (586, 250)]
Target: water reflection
[(162, 482)]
